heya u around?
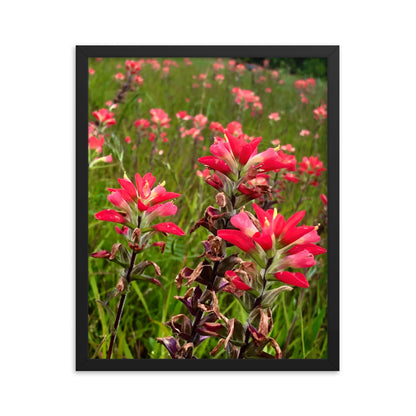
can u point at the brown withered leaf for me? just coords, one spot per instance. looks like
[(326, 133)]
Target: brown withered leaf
[(214, 248), (230, 327), (181, 325), (217, 347), (209, 220), (183, 274), (186, 352), (201, 274)]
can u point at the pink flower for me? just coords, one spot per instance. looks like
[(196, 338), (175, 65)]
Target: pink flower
[(91, 71), (311, 165), (291, 177), (238, 157), (182, 115), (304, 133), (304, 99), (132, 67), (235, 128), (270, 242), (274, 75), (127, 139), (159, 117), (268, 90), (142, 124), (219, 78), (119, 76), (288, 147), (274, 116), (96, 144), (200, 121), (104, 117), (324, 199), (216, 127), (320, 113), (138, 80)]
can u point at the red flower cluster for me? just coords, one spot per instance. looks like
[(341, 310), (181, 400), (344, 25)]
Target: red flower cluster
[(104, 117), (160, 117), (245, 97), (235, 157), (133, 67), (302, 84), (276, 244), (320, 113), (140, 200)]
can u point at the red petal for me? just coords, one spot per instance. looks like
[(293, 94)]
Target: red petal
[(214, 163), (264, 239), (294, 279), (169, 227), (164, 197), (261, 213), (111, 216), (312, 248), (237, 238), (128, 186)]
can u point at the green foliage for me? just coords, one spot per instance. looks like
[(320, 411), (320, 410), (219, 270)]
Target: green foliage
[(149, 306)]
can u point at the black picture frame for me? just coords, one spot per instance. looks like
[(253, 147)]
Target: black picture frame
[(83, 53)]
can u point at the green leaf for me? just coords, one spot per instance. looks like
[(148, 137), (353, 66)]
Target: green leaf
[(270, 296)]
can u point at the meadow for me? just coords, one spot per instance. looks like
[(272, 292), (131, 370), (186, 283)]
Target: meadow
[(201, 97)]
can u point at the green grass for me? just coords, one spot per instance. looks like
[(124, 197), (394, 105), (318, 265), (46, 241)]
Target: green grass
[(148, 306)]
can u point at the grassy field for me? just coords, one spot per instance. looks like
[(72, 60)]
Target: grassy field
[(301, 311)]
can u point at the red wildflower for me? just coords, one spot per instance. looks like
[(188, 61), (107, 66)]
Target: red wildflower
[(274, 116), (138, 200), (320, 113), (142, 124), (200, 121), (291, 177), (138, 80), (159, 117), (219, 78), (132, 67), (237, 157), (270, 241), (216, 127), (104, 117), (311, 165), (182, 115), (96, 144)]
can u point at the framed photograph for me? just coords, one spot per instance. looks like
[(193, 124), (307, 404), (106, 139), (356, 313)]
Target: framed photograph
[(207, 208)]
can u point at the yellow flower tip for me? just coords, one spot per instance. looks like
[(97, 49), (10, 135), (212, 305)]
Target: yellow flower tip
[(266, 222), (277, 148), (274, 213), (226, 138), (317, 227), (162, 183), (125, 175)]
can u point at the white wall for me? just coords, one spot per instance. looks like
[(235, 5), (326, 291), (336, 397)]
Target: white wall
[(378, 97)]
